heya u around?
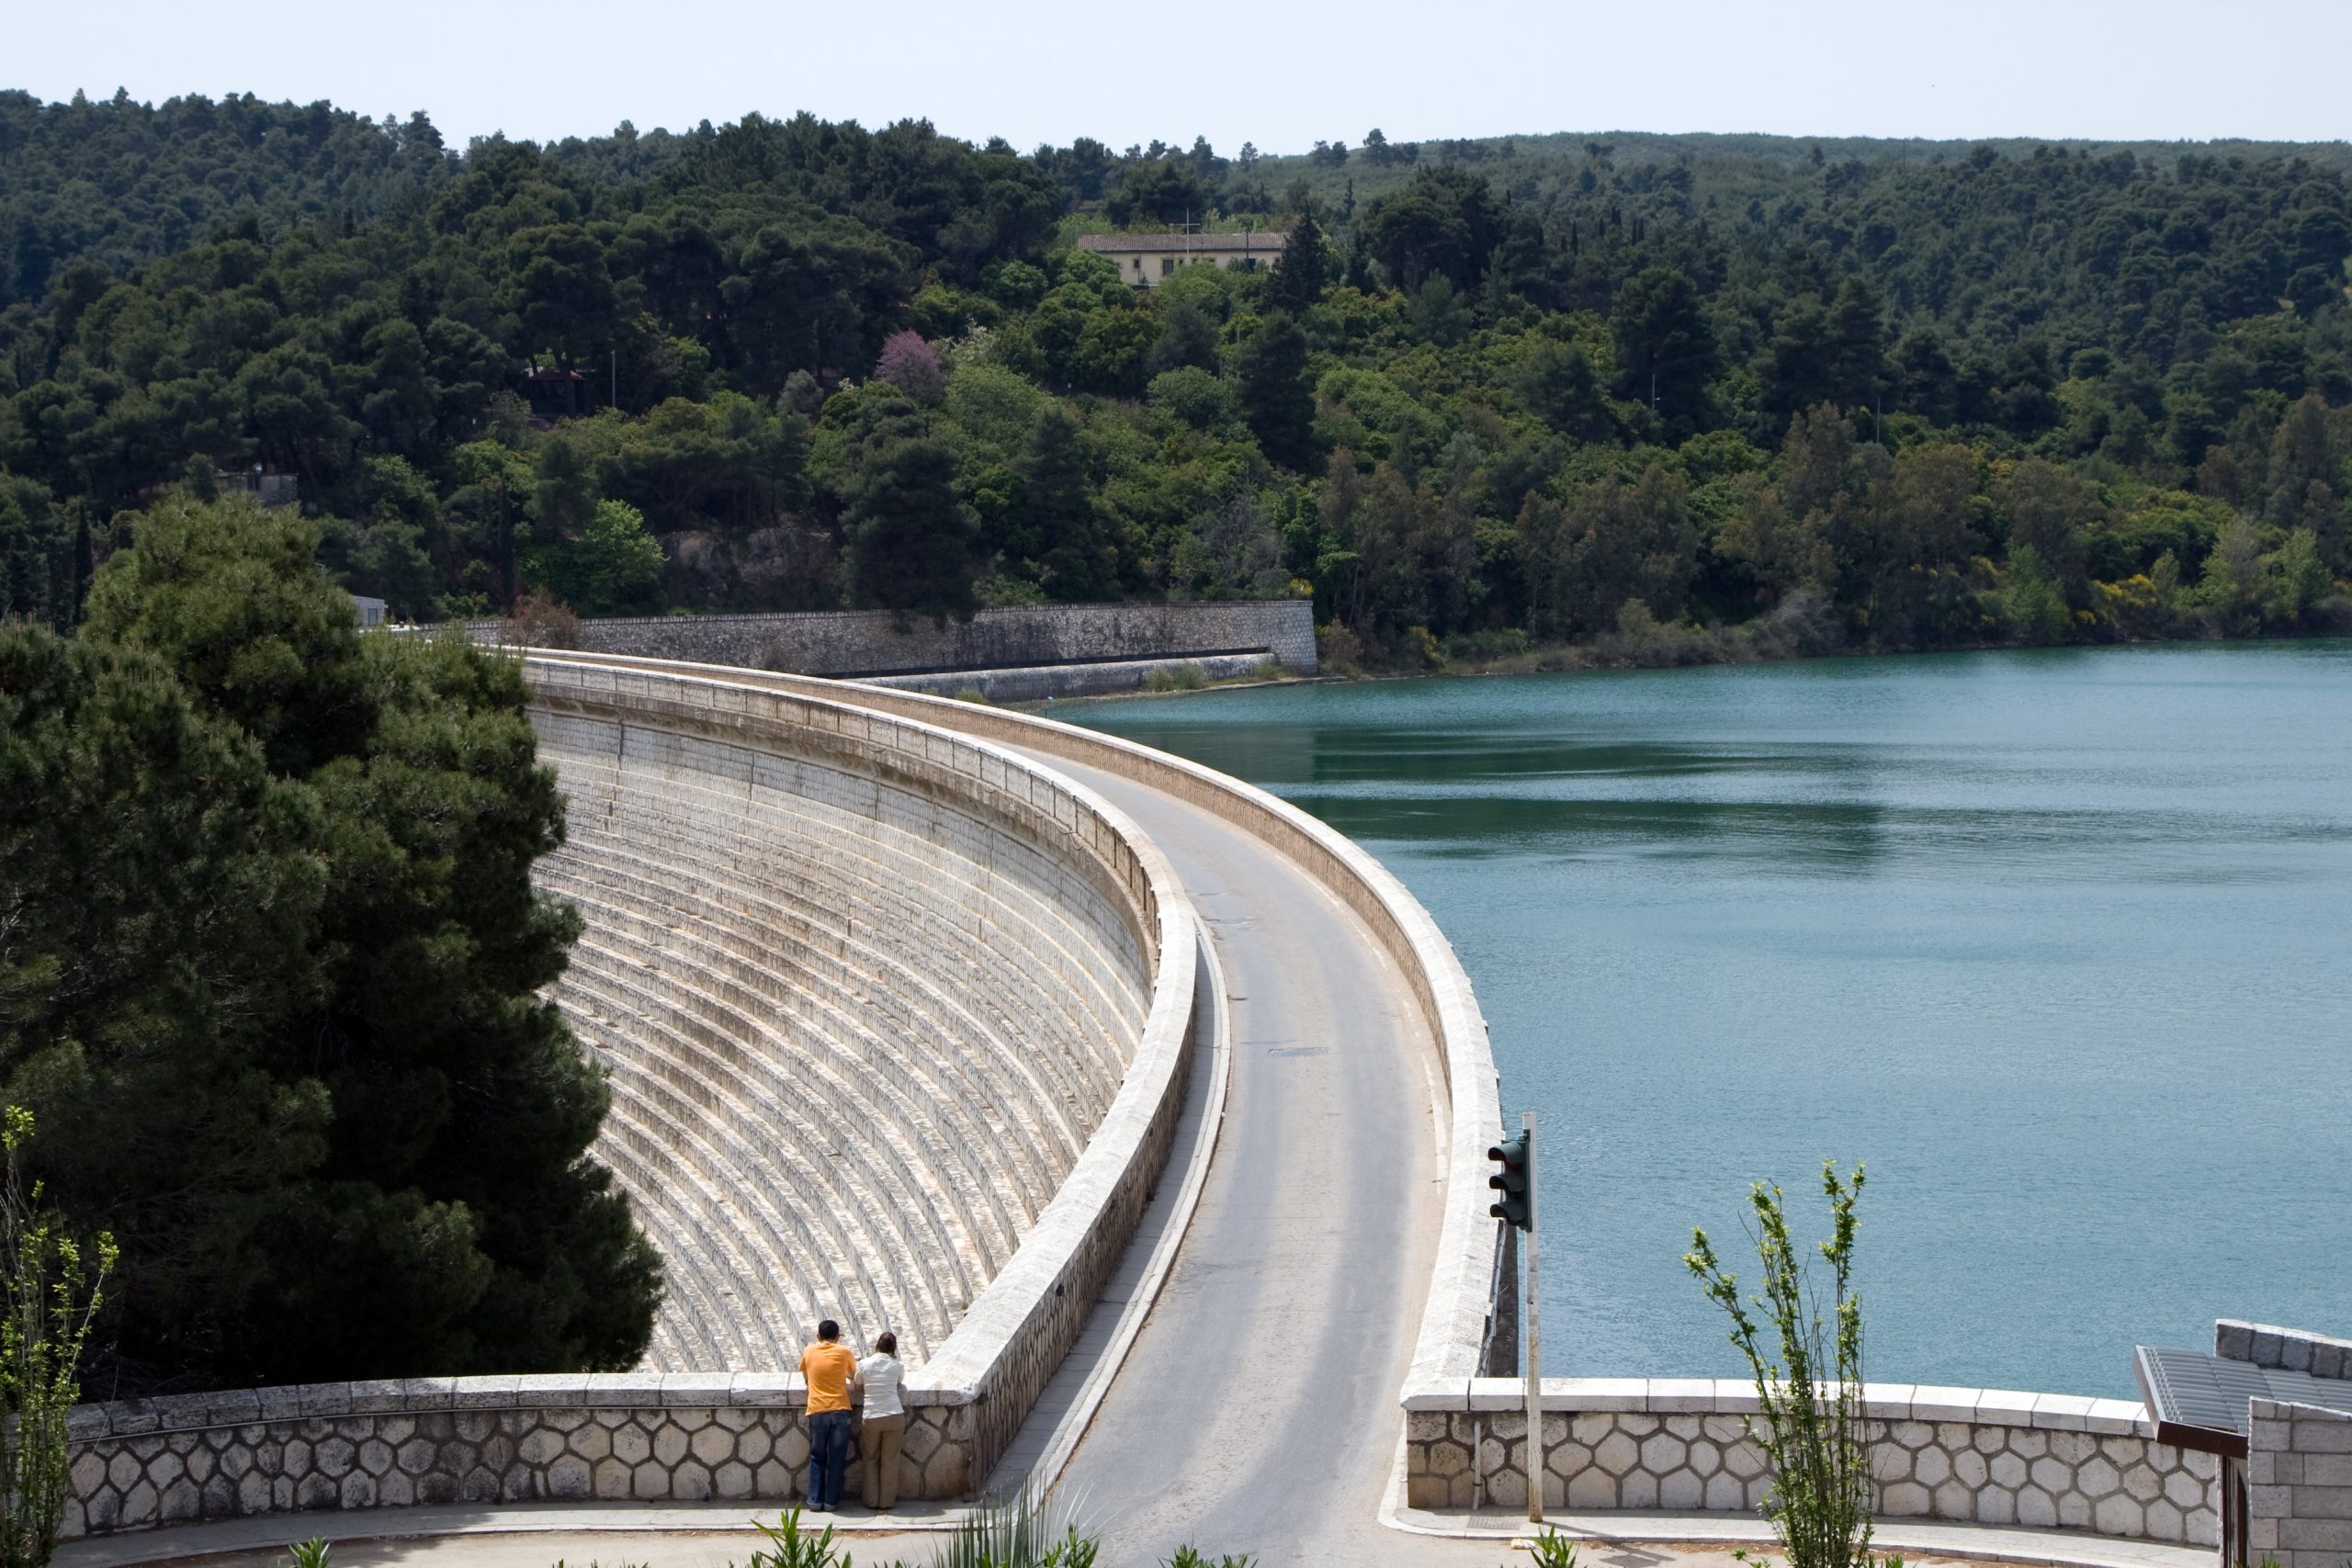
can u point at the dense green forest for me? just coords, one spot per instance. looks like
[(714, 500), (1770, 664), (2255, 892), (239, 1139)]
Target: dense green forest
[(1675, 397), (270, 977)]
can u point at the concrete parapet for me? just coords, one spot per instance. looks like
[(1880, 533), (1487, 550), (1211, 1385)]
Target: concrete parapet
[(1980, 1456), (957, 945)]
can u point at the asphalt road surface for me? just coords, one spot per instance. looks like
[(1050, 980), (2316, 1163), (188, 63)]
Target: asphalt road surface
[(1257, 1412)]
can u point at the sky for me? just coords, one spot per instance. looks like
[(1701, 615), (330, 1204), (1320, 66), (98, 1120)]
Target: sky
[(1275, 73)]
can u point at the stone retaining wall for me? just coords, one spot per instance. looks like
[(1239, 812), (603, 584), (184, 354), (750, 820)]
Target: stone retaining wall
[(2290, 1349), (1038, 682), (1971, 1455), (876, 642), (699, 1435)]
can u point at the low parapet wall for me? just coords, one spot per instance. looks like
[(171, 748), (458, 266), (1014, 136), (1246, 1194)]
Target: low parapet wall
[(1975, 1455), (877, 642), (694, 1435)]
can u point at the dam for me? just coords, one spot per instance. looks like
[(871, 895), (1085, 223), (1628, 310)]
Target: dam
[(903, 1000)]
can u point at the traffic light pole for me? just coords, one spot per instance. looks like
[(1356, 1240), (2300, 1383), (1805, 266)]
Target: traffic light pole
[(1533, 1365)]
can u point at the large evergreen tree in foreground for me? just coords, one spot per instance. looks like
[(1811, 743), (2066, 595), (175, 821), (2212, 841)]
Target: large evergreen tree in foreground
[(270, 965)]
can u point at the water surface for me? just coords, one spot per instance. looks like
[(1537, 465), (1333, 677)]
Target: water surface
[(2056, 943)]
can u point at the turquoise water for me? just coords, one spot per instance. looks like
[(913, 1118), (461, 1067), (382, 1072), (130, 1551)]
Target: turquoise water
[(2058, 942)]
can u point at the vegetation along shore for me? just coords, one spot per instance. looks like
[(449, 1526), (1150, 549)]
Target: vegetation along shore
[(1656, 399)]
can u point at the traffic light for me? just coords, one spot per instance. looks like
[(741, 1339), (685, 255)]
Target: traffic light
[(1514, 1174)]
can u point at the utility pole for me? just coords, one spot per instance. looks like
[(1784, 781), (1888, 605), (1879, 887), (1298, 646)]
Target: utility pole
[(1534, 1367)]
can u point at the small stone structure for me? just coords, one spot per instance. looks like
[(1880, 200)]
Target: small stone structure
[(2299, 1472), (2299, 1457), (983, 972), (1982, 1457), (853, 643)]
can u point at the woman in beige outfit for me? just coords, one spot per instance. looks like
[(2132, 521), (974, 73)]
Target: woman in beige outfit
[(880, 1376)]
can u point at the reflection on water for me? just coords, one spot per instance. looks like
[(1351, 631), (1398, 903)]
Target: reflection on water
[(2057, 943)]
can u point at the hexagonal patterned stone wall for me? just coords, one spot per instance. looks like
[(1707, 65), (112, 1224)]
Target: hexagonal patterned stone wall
[(2115, 1484), (170, 1462)]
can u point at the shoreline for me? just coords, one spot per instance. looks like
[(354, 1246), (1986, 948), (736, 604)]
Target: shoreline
[(1575, 659)]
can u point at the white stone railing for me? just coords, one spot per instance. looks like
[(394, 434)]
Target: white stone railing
[(693, 1435)]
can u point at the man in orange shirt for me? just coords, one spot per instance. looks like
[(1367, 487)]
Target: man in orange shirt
[(827, 1368)]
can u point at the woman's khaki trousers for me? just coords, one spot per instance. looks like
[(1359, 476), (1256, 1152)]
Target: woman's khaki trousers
[(877, 1452)]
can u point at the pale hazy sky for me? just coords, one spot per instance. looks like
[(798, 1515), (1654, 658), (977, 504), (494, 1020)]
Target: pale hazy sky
[(1272, 72)]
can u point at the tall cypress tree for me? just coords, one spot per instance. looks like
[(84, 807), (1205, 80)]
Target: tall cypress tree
[(1303, 272), (1276, 396), (913, 545), (1077, 561)]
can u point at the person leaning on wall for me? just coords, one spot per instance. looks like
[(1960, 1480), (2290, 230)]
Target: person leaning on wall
[(879, 1377), (827, 1369)]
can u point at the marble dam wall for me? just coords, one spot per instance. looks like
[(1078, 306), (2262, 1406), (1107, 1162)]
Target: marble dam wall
[(897, 1025)]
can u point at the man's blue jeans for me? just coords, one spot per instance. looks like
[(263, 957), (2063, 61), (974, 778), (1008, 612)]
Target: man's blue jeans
[(828, 1457)]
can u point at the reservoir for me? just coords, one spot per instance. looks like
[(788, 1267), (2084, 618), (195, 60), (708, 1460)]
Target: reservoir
[(2059, 943)]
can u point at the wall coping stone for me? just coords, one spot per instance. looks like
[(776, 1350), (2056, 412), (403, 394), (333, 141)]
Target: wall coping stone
[(1736, 1397), (2290, 1349)]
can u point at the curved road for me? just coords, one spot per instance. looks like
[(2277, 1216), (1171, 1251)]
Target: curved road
[(1257, 1411)]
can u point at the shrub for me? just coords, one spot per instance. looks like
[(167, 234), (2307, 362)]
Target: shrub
[(1810, 1424), (52, 1293), (790, 1546), (1016, 1534)]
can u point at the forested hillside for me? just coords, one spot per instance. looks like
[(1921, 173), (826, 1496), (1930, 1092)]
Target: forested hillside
[(1684, 397)]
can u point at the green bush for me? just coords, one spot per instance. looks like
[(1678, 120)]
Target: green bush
[(1810, 1424), (53, 1291)]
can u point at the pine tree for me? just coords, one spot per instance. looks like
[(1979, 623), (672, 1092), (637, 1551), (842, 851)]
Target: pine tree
[(1275, 396), (1078, 560), (1303, 272), (313, 1087), (913, 545)]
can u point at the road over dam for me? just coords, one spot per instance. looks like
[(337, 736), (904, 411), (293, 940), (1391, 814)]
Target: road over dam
[(1258, 1408)]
